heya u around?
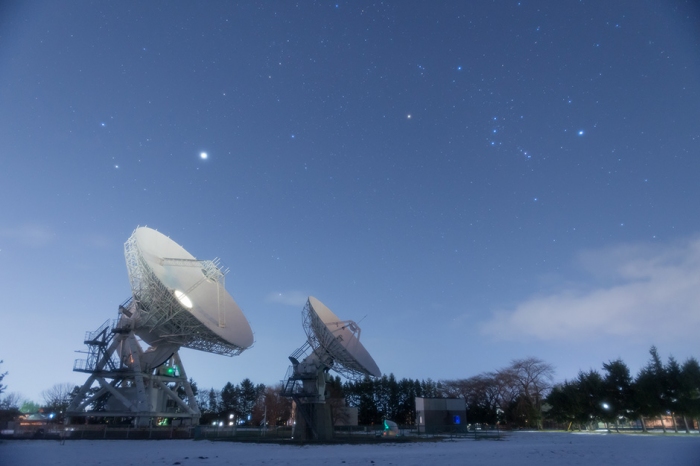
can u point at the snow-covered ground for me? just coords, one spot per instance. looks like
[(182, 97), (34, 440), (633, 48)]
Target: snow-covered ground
[(520, 448)]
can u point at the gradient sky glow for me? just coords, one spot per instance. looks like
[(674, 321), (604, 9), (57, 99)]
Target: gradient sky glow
[(473, 181)]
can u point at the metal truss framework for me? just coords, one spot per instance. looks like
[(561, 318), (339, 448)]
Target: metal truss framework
[(121, 369)]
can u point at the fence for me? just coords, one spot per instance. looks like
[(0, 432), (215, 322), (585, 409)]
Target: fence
[(77, 432), (253, 434)]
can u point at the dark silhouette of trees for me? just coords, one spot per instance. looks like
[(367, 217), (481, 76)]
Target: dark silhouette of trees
[(57, 398), (272, 407), (650, 389), (2, 376), (238, 401), (12, 400), (672, 389), (566, 405), (689, 394), (230, 401), (618, 392), (592, 396), (512, 395), (482, 395), (214, 403), (657, 391), (519, 395), (388, 398), (532, 378)]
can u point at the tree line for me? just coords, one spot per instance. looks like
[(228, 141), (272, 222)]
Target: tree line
[(615, 397)]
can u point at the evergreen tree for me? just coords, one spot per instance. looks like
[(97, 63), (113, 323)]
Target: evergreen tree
[(649, 389), (406, 403), (566, 405), (213, 402), (429, 388), (368, 411), (689, 395), (230, 400), (672, 389), (592, 392), (617, 385), (29, 407), (248, 396)]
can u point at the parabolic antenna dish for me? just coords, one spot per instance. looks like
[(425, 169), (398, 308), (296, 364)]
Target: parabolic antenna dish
[(340, 339), (181, 300)]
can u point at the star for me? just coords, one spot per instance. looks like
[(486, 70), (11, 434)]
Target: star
[(203, 155)]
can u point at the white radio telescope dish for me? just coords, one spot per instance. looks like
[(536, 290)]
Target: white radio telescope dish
[(177, 301), (331, 343), (183, 300), (338, 339)]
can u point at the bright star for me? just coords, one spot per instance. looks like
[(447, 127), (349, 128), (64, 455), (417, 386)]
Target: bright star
[(408, 116), (580, 132), (203, 155)]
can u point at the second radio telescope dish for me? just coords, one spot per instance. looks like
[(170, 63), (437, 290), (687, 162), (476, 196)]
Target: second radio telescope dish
[(340, 339), (182, 300)]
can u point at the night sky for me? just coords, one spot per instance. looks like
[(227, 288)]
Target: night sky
[(473, 182)]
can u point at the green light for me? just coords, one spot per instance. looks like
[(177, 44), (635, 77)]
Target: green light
[(386, 426)]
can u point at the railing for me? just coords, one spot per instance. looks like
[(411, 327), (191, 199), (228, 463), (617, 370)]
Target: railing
[(289, 383), (92, 337), (80, 365)]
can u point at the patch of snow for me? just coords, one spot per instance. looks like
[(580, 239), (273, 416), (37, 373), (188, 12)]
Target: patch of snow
[(518, 449)]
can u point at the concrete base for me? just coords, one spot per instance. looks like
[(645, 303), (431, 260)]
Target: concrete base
[(320, 415)]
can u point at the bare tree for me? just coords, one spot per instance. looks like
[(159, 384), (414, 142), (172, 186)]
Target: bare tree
[(275, 407), (480, 395), (534, 379), (58, 397), (12, 400), (2, 376), (515, 392), (202, 398)]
